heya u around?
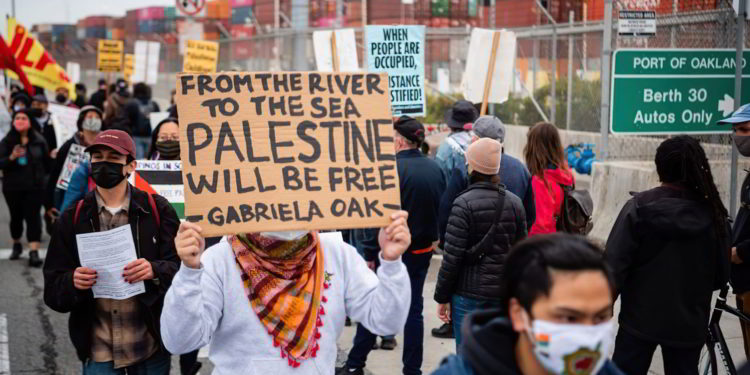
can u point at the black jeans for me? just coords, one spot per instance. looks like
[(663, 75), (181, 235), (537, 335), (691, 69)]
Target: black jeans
[(25, 206), (633, 356), (417, 266)]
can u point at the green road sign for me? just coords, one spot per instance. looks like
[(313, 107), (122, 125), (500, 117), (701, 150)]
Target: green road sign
[(669, 91)]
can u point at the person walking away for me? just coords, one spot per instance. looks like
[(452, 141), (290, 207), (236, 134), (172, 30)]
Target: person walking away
[(80, 101), (99, 96), (24, 161), (114, 110), (513, 174), (451, 152), (669, 250), (421, 185), (546, 160), (44, 123), (557, 305), (114, 336), (62, 97), (89, 125), (244, 295), (484, 224), (142, 93)]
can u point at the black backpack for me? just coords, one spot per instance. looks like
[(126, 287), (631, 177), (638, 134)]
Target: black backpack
[(475, 254), (576, 210)]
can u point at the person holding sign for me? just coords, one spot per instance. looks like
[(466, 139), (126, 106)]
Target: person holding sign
[(113, 336), (24, 161)]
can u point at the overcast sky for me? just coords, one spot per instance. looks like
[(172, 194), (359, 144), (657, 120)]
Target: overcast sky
[(30, 12)]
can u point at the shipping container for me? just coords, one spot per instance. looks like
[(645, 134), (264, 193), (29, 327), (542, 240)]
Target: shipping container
[(81, 33), (242, 50), (212, 9), (242, 15), (441, 8), (118, 34), (170, 12), (98, 32), (151, 13), (225, 11), (96, 21), (241, 3), (242, 31), (210, 35)]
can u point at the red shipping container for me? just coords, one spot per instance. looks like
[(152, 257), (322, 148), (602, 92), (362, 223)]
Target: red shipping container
[(242, 31), (241, 3), (327, 22), (151, 13), (242, 50)]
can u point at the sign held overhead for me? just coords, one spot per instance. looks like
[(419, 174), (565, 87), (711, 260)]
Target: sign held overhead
[(200, 56), (478, 66), (286, 151), (109, 55)]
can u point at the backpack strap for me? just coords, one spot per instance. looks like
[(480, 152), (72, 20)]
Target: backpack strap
[(154, 211), (79, 204)]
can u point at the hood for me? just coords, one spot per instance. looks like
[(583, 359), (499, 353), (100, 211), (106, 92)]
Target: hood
[(559, 176), (489, 343), (672, 212)]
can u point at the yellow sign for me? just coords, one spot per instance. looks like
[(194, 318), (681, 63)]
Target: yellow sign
[(200, 56), (127, 72), (109, 55), (36, 62)]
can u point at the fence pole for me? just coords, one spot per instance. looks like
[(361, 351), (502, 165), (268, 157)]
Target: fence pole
[(606, 57), (740, 38), (569, 106)]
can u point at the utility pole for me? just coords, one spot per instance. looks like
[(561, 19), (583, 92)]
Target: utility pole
[(606, 57)]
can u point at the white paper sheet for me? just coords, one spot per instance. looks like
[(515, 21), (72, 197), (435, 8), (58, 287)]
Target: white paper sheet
[(108, 253)]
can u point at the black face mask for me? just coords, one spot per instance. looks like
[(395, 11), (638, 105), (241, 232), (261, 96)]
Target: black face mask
[(168, 150), (107, 174), (61, 98)]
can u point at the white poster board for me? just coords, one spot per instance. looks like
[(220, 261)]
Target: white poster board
[(74, 71), (155, 118), (478, 61), (65, 121), (346, 49), (76, 156), (146, 62), (444, 80)]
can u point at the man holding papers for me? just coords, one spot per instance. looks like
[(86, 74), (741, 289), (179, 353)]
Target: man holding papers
[(110, 264)]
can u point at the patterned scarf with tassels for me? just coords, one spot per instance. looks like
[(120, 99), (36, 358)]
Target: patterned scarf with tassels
[(284, 282)]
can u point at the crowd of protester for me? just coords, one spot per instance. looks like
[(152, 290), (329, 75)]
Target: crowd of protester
[(516, 294)]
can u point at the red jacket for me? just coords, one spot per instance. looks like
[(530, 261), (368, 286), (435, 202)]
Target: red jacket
[(548, 201)]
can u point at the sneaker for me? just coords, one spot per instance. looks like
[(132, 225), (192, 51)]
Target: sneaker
[(388, 344), (17, 250), (34, 260), (444, 332), (349, 371)]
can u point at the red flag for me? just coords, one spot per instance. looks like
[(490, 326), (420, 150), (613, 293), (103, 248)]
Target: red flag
[(8, 61)]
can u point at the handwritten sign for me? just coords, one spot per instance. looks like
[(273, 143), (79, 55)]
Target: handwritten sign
[(64, 120), (109, 55), (200, 56), (75, 157), (399, 51), (286, 151), (127, 71)]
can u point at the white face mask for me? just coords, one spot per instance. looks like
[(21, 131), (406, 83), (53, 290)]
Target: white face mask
[(289, 235), (571, 348), (92, 124)]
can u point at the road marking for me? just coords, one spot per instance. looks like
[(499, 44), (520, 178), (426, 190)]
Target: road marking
[(4, 355), (5, 254)]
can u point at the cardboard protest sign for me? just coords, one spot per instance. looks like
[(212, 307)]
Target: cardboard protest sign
[(286, 151), (146, 62), (200, 56), (163, 177), (65, 121), (345, 53), (127, 71), (478, 61), (399, 51), (76, 156), (109, 55)]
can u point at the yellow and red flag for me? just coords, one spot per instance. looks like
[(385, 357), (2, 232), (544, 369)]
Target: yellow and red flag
[(40, 67)]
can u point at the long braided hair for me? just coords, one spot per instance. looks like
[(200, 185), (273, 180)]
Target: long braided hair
[(681, 160)]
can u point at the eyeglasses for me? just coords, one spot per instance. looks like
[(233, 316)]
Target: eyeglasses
[(174, 137)]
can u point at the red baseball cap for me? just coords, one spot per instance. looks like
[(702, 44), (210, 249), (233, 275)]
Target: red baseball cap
[(117, 140)]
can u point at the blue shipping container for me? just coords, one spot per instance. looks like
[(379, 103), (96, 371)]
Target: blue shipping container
[(242, 15), (98, 32)]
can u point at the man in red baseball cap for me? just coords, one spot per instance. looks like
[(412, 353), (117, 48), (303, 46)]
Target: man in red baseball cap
[(114, 336)]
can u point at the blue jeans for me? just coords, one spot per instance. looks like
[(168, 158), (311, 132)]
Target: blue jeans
[(157, 364), (462, 306), (417, 266)]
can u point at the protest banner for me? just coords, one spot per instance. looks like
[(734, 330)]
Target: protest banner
[(163, 177), (76, 156), (109, 55), (65, 121), (127, 71), (200, 56), (399, 51), (38, 65), (482, 84), (335, 51), (74, 71), (286, 151), (146, 62)]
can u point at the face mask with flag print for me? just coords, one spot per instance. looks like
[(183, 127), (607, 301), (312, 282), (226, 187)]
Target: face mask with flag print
[(571, 349)]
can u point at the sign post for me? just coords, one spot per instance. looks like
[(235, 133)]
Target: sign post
[(488, 78), (674, 91)]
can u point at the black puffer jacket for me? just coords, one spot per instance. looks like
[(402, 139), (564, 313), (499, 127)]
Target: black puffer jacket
[(29, 176), (471, 218)]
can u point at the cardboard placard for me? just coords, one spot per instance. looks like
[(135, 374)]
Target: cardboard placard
[(64, 120), (146, 62), (399, 51), (477, 66), (76, 156), (127, 71), (286, 151), (163, 177), (109, 55), (200, 56)]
